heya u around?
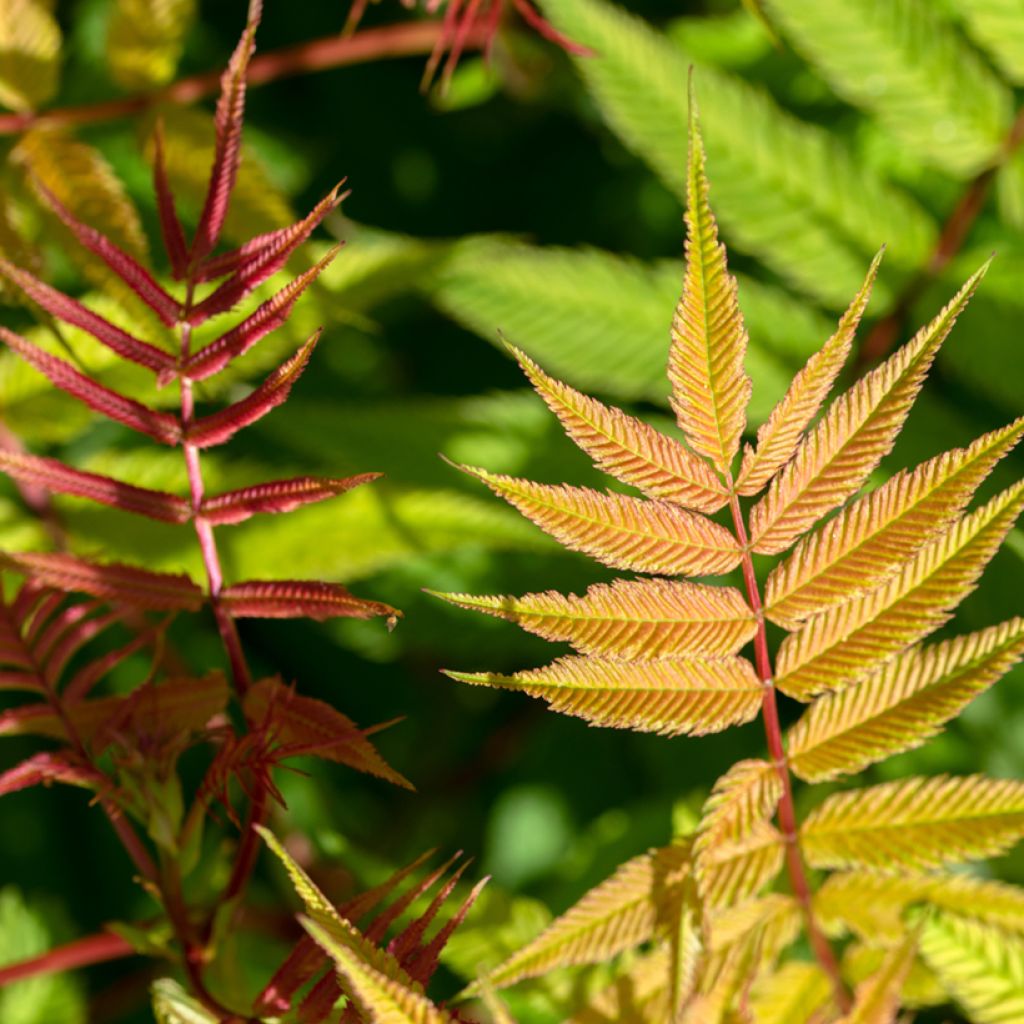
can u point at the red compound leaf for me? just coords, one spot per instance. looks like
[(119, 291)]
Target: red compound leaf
[(276, 496), (267, 317), (72, 312), (44, 769), (160, 426), (265, 254), (126, 267), (218, 427), (170, 226), (61, 479), (151, 711), (228, 147), (295, 599), (139, 588)]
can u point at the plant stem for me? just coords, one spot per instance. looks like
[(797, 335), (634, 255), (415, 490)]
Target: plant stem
[(401, 40), (777, 751), (204, 531), (94, 949)]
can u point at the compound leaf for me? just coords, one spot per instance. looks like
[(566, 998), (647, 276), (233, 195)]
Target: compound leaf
[(915, 823), (671, 696), (710, 390), (902, 705), (641, 619), (626, 533)]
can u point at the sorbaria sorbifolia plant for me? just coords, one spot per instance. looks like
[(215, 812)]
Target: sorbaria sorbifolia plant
[(66, 624), (866, 919)]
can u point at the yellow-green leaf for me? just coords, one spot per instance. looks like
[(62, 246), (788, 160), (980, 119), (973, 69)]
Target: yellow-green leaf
[(915, 823), (857, 431), (379, 998), (30, 41), (849, 640), (671, 696), (710, 389), (779, 435), (622, 912), (902, 704), (981, 966), (627, 448), (626, 533), (869, 540), (643, 619), (145, 39)]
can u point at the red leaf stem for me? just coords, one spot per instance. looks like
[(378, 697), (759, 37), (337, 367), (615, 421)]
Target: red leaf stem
[(276, 496), (58, 478), (94, 949), (72, 312), (292, 599), (227, 150), (140, 588), (160, 426), (218, 427), (121, 263), (262, 251), (170, 226)]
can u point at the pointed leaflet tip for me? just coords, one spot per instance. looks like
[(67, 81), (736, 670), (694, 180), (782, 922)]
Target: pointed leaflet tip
[(160, 426), (227, 148), (72, 312), (129, 270), (295, 599), (60, 479), (275, 496), (710, 389), (218, 427), (170, 226)]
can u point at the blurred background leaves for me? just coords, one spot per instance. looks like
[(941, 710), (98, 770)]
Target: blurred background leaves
[(539, 199)]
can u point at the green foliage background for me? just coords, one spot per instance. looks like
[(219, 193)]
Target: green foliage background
[(540, 199)]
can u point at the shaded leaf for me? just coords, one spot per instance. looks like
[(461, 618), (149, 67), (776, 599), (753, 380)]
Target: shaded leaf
[(145, 40), (30, 57)]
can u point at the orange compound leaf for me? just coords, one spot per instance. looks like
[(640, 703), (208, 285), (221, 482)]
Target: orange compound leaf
[(276, 496), (126, 267), (312, 727), (625, 533), (255, 261), (858, 431), (902, 705), (72, 312), (777, 438), (170, 226), (140, 588), (222, 425), (61, 479), (228, 120), (160, 426), (671, 696), (49, 767), (175, 705), (643, 619), (295, 599), (915, 823), (848, 641), (627, 448), (868, 541), (710, 389)]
